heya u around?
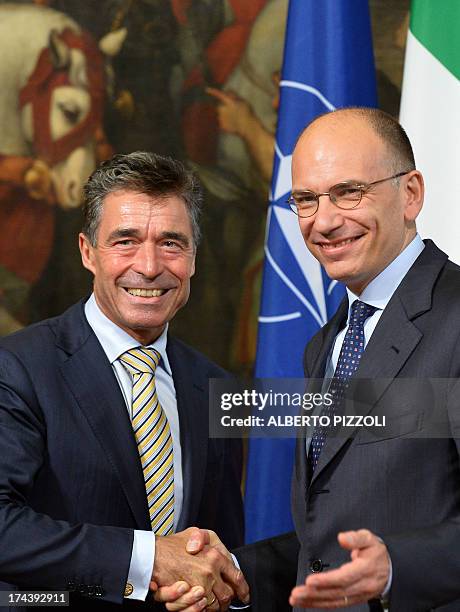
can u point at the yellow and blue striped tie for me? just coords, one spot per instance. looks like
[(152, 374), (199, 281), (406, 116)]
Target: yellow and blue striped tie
[(153, 437)]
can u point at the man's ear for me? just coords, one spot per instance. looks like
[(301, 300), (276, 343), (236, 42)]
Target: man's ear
[(193, 265), (87, 253), (414, 190)]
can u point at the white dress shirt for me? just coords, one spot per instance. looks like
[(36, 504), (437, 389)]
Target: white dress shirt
[(115, 342)]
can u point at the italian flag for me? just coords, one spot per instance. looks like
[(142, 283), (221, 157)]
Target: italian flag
[(430, 113)]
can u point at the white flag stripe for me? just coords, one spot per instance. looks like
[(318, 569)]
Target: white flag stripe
[(292, 287), (309, 89), (280, 318), (430, 114), (289, 223)]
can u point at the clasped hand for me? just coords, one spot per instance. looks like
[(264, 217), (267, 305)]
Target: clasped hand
[(364, 577), (196, 557)]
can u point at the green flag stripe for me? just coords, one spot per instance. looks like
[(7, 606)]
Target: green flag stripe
[(436, 24)]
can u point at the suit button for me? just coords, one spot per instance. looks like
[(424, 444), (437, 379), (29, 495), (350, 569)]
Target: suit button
[(316, 566), (128, 589), (98, 591), (82, 589)]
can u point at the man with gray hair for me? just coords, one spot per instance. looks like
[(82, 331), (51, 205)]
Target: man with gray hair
[(105, 453)]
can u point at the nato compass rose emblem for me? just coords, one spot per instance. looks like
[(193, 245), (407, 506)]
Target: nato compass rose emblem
[(295, 286)]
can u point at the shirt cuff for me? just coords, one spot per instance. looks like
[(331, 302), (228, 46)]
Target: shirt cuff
[(141, 565), (385, 596), (386, 590)]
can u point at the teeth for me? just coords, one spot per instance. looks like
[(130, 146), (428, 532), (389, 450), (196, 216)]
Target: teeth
[(146, 292), (338, 244)]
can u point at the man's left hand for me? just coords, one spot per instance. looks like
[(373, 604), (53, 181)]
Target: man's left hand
[(180, 596), (364, 577)]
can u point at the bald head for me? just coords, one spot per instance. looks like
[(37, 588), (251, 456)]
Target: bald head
[(399, 154)]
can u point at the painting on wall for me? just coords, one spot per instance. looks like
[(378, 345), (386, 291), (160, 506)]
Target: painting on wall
[(195, 79)]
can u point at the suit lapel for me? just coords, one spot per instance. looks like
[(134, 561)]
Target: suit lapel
[(394, 340), (92, 382), (192, 406), (327, 338)]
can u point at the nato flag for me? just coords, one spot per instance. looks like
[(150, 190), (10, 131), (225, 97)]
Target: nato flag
[(328, 63)]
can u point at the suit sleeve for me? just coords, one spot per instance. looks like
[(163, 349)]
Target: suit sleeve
[(426, 562), (37, 551), (426, 567), (270, 568)]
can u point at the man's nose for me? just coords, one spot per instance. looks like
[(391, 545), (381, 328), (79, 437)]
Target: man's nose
[(328, 217), (148, 261)]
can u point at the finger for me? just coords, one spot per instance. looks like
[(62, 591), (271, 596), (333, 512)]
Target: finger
[(216, 543), (188, 600), (299, 595), (177, 591), (220, 95), (359, 591), (315, 593), (311, 595), (216, 605), (198, 539), (356, 539), (340, 603), (224, 595), (234, 577), (228, 579), (196, 607), (306, 597)]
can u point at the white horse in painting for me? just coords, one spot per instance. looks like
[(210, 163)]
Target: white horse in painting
[(25, 31), (53, 78)]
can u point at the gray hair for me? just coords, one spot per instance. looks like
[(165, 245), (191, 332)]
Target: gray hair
[(143, 172)]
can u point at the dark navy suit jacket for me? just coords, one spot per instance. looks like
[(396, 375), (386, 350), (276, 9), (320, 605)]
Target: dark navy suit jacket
[(71, 484)]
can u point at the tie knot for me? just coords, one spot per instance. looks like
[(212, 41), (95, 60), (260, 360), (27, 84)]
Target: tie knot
[(360, 311), (140, 360)]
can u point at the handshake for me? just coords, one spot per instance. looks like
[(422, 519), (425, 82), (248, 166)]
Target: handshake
[(194, 571)]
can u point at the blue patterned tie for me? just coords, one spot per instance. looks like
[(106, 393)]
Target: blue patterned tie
[(347, 364)]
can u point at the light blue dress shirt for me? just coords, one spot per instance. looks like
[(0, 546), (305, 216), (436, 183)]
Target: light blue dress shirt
[(115, 342), (377, 293)]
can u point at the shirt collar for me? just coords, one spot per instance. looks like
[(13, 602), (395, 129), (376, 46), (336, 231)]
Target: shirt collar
[(380, 290), (115, 340)]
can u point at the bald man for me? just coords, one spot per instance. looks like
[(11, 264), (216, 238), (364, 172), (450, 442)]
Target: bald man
[(377, 514)]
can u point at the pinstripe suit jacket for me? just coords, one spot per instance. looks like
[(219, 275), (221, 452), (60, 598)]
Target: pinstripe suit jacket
[(402, 484), (71, 484)]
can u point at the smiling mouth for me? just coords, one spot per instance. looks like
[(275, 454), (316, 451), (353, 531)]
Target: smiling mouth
[(336, 245), (146, 292)]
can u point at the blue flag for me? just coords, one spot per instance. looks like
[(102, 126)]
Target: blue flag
[(328, 63)]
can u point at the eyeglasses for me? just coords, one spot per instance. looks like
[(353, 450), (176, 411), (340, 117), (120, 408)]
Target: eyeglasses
[(346, 195)]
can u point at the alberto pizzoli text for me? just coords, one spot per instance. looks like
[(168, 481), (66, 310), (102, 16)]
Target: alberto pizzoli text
[(303, 420)]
